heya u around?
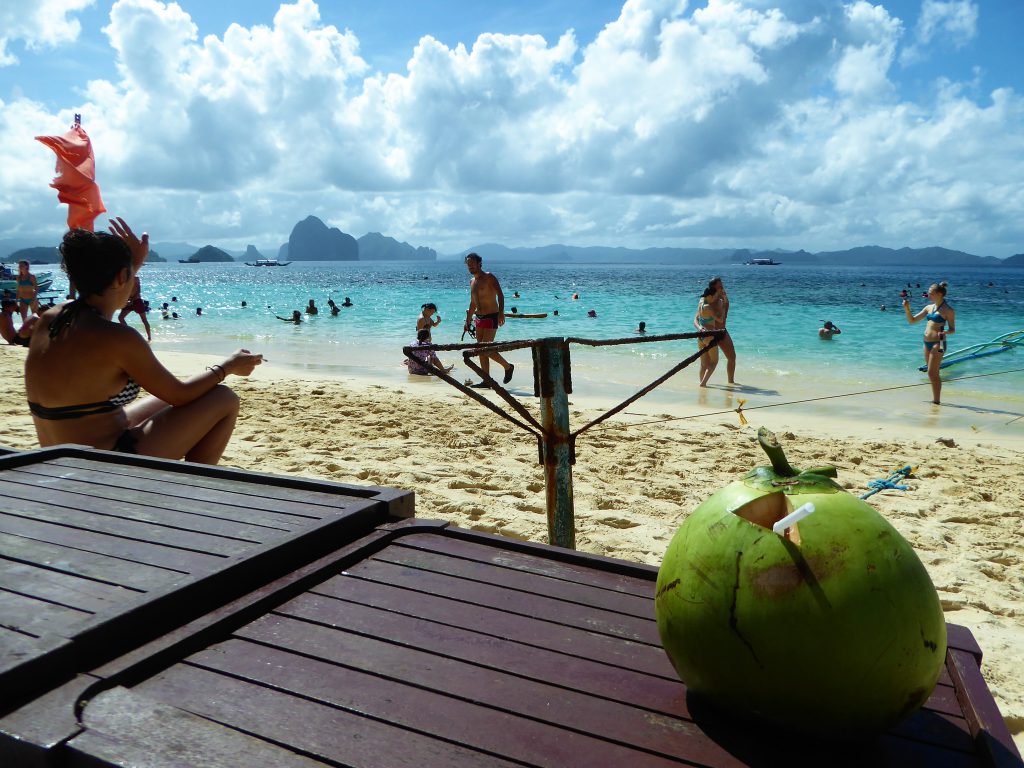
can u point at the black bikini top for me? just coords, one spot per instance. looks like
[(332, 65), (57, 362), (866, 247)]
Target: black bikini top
[(128, 393)]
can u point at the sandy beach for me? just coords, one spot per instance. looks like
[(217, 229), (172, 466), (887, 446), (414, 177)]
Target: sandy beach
[(635, 484)]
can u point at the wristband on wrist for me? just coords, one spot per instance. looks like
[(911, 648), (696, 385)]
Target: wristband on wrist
[(219, 369)]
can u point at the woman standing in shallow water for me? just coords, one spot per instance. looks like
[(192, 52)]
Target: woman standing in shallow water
[(78, 356), (938, 314)]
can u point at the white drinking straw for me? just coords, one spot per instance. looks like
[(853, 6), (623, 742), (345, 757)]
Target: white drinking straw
[(793, 517)]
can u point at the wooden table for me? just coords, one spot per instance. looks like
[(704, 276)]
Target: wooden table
[(409, 644)]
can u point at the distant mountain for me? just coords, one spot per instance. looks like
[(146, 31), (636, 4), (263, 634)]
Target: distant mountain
[(876, 255), (251, 254), (40, 254), (312, 240), (598, 254), (1017, 260), (374, 246), (209, 253)]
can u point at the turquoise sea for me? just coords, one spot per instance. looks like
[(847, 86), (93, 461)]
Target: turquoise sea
[(774, 317)]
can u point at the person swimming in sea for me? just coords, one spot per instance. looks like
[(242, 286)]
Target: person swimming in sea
[(334, 307), (642, 328), (311, 308), (828, 330), (347, 302), (295, 318)]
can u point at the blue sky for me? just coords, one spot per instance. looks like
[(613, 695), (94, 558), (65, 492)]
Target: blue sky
[(809, 124)]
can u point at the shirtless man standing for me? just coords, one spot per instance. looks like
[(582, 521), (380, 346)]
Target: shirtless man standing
[(487, 302), (720, 306)]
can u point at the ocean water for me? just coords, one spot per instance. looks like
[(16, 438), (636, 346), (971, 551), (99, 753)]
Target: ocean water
[(774, 317)]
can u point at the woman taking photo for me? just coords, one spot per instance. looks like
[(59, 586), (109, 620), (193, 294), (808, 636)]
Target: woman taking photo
[(79, 356), (938, 314)]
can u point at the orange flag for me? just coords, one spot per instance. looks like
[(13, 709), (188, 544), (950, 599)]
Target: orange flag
[(76, 176)]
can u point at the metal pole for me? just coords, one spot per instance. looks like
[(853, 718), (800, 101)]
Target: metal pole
[(553, 385)]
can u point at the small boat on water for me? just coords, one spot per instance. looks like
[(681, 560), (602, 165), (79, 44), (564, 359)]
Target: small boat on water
[(267, 263), (763, 263), (9, 279), (998, 345), (528, 316), (189, 261)]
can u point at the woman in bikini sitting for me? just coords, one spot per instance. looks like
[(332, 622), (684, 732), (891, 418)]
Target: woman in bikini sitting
[(78, 356), (704, 320), (938, 314)]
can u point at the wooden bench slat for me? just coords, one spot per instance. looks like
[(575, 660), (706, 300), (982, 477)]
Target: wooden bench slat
[(148, 553), (172, 495), (37, 617), (653, 731), (325, 732), (489, 573), (580, 672), (125, 728), (510, 601), (163, 488), (61, 588), (469, 724), (87, 521), (536, 564), (79, 562), (488, 621), (261, 492), (24, 498)]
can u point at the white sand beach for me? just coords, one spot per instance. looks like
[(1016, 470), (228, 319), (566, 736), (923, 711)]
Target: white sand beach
[(634, 485)]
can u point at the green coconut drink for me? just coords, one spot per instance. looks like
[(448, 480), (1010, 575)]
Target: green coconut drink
[(830, 625)]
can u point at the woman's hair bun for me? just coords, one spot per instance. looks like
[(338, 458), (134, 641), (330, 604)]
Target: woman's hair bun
[(92, 260)]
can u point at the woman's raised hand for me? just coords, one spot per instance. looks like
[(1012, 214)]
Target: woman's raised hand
[(138, 246), (242, 362)]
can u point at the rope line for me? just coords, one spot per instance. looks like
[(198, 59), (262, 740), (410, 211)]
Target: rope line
[(807, 400)]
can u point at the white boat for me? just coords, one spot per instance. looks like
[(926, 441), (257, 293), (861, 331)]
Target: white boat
[(267, 263), (9, 280), (763, 262)]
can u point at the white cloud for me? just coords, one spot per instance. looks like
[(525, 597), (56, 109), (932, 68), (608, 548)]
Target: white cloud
[(950, 22), (38, 24), (739, 122)]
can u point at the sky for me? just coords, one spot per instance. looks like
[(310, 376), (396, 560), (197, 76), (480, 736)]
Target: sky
[(814, 124)]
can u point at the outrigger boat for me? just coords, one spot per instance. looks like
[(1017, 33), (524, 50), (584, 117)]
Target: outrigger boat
[(998, 345), (267, 263)]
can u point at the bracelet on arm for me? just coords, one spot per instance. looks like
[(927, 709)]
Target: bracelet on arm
[(220, 369)]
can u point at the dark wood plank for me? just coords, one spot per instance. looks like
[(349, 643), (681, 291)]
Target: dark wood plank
[(24, 498), (61, 588), (577, 573), (37, 617), (237, 507), (164, 488), (991, 734), (148, 553), (580, 672), (488, 573), (510, 601), (29, 733), (565, 707), (76, 561), (466, 723), (124, 728), (123, 527), (321, 731), (335, 496), (488, 621)]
